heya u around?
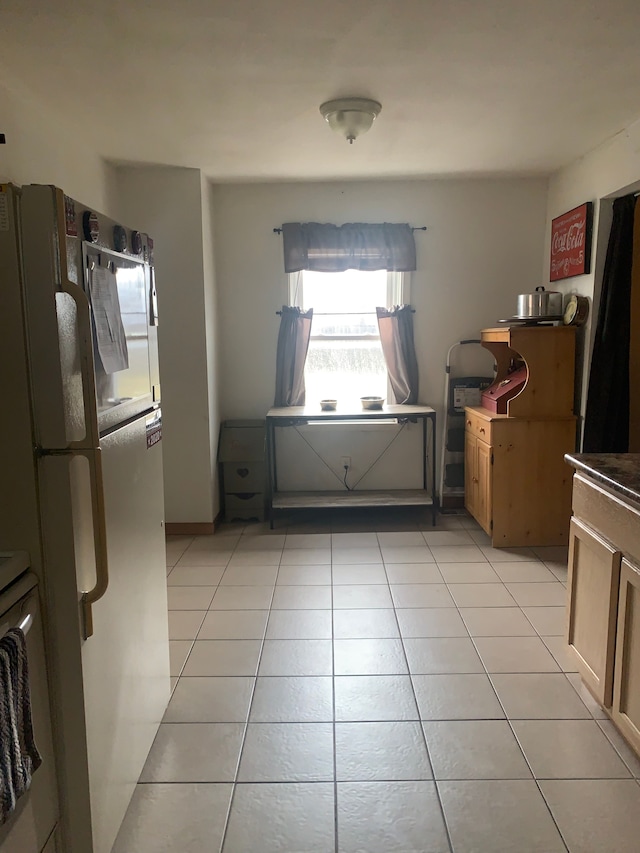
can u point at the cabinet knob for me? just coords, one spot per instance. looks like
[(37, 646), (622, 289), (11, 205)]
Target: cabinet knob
[(474, 479), (481, 429), (468, 423)]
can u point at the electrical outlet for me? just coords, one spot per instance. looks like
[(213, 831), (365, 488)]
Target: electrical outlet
[(345, 461)]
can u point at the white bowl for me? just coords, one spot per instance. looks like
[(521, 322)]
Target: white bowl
[(372, 402), (328, 405)]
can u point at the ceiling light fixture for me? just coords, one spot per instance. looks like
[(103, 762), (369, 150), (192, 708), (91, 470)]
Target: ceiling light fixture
[(350, 116)]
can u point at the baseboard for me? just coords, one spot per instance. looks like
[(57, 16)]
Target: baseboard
[(189, 528)]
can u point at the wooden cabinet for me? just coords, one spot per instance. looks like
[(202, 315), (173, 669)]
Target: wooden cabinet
[(626, 693), (517, 484), (603, 619), (478, 479)]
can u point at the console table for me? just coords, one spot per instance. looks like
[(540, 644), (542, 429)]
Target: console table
[(299, 415)]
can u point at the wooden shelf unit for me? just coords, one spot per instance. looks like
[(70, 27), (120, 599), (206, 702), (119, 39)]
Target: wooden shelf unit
[(517, 485)]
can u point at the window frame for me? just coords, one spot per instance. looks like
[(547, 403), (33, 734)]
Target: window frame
[(398, 293)]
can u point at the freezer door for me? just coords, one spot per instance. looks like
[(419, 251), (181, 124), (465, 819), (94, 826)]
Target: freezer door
[(119, 293)]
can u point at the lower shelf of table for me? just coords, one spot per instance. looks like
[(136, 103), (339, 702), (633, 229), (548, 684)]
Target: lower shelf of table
[(338, 499)]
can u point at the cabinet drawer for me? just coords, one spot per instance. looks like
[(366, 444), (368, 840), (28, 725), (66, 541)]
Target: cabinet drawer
[(244, 505), (478, 426), (243, 476), (611, 517)]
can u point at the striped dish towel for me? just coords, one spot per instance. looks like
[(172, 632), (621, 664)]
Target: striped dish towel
[(19, 756)]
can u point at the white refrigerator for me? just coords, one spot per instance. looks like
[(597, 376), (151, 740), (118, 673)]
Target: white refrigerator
[(81, 489)]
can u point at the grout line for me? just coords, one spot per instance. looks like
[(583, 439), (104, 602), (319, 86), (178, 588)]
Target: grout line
[(246, 724), (424, 737)]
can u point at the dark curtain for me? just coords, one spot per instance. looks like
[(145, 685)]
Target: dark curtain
[(396, 337), (356, 245), (606, 427), (293, 344)]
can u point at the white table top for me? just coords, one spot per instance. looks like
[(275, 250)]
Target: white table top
[(314, 412)]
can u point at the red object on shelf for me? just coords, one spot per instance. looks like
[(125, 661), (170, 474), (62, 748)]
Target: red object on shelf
[(496, 396)]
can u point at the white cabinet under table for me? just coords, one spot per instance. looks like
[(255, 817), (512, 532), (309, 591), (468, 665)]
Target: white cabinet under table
[(291, 416)]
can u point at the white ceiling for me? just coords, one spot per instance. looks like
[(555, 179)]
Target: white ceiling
[(233, 86)]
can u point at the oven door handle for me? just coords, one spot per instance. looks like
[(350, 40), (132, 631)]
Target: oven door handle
[(25, 621)]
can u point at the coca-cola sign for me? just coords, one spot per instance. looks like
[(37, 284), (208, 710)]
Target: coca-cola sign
[(571, 243)]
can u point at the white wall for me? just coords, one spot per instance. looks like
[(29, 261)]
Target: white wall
[(481, 249), (40, 149), (167, 203), (612, 169)]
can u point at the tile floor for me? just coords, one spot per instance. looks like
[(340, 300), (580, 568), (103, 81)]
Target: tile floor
[(376, 686)]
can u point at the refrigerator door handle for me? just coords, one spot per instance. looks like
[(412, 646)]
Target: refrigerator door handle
[(93, 456), (87, 366)]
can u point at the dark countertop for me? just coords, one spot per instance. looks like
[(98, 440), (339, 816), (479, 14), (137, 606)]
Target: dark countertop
[(618, 472)]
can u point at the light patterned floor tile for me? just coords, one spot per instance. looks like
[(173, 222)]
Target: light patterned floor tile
[(539, 696), (364, 624), (194, 752), (431, 622), (296, 657), (185, 624), (368, 818), (278, 818), (474, 749), (548, 621), (568, 749), (234, 625), (515, 654), (496, 816), (399, 573), (456, 697), (423, 595), (223, 657), (496, 622), (166, 818), (299, 625), (369, 657), (196, 576), (354, 574), (442, 655), (287, 752), (304, 576), (596, 815), (374, 697), (356, 596), (391, 751), (210, 700), (291, 699)]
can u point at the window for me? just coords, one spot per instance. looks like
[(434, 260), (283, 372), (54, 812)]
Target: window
[(345, 358)]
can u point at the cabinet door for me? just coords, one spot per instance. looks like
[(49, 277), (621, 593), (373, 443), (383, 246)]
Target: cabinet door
[(471, 473), (484, 507), (626, 691), (594, 577)]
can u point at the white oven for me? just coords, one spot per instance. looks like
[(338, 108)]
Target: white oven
[(31, 828)]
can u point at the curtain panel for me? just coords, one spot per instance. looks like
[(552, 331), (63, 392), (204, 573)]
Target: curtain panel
[(396, 338), (606, 423), (356, 245), (293, 344)]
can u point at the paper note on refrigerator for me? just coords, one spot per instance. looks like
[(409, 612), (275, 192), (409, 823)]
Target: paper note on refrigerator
[(110, 337)]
